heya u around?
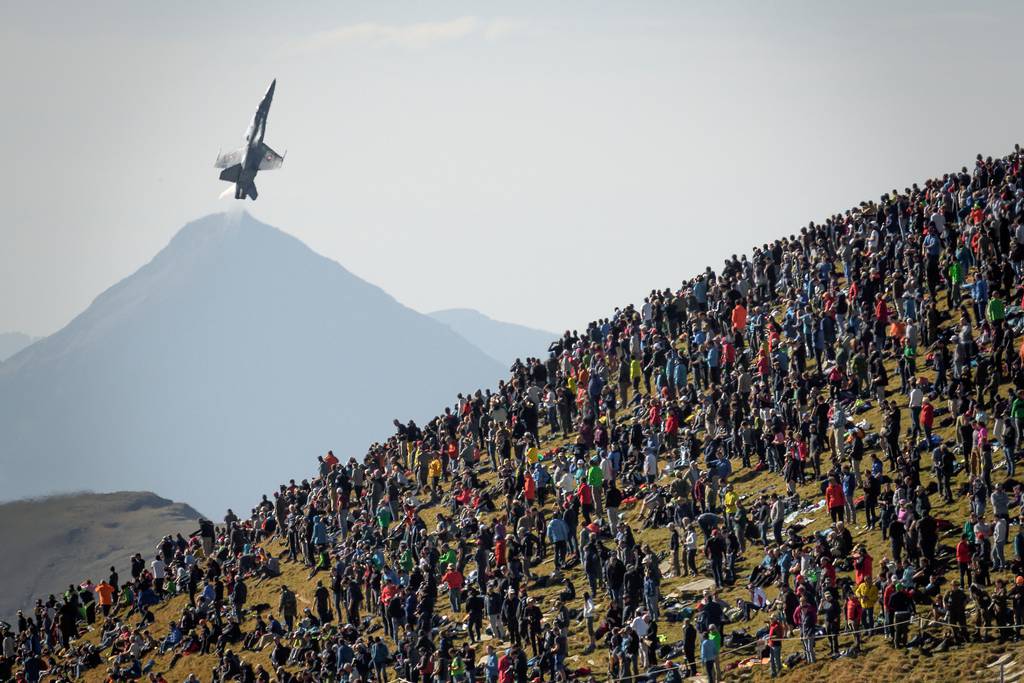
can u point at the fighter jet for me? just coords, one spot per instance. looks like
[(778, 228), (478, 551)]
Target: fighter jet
[(242, 165)]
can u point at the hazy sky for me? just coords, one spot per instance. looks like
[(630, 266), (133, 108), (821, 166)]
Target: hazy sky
[(541, 162)]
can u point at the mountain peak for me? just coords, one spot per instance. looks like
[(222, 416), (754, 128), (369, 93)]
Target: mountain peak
[(229, 229), (234, 350)]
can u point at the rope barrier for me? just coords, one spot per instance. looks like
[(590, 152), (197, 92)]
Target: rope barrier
[(801, 638), (946, 623), (921, 620), (663, 669)]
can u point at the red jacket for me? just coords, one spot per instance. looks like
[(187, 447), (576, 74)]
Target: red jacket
[(853, 610), (776, 632), (828, 575), (834, 497), (585, 494), (881, 311), (671, 423), (454, 579), (529, 488), (862, 568), (963, 552), (387, 592), (890, 588), (505, 671), (927, 414)]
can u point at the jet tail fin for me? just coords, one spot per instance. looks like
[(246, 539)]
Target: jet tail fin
[(231, 173), (250, 191)]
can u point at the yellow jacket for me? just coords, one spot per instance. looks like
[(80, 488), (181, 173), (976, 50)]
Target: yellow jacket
[(730, 501), (635, 370), (867, 593)]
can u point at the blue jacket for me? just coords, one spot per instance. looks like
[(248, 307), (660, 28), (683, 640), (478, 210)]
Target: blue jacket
[(541, 476), (708, 650), (557, 530), (700, 291), (979, 290), (679, 373), (616, 459), (343, 655), (491, 664), (148, 597), (319, 532), (849, 486)]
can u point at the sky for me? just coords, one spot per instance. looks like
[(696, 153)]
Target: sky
[(541, 162)]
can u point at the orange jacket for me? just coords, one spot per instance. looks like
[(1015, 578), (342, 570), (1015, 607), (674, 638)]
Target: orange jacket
[(105, 594), (739, 317)]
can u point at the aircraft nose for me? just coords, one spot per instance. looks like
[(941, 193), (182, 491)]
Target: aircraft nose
[(273, 84)]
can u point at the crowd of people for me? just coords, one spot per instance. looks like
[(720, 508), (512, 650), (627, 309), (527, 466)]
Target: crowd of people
[(866, 370)]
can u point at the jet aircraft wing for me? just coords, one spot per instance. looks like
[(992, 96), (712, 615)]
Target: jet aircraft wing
[(269, 159), (229, 158)]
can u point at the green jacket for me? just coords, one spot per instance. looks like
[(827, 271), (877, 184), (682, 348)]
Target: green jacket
[(956, 273), (1017, 408), (406, 562), (996, 309)]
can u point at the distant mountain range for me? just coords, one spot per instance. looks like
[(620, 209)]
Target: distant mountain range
[(12, 342), (50, 543), (502, 341), (220, 369)]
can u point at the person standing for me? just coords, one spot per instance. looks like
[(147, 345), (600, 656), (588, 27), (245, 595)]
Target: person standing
[(288, 607), (159, 573), (674, 546), (915, 399), (807, 619), (714, 550), (612, 500), (595, 477), (379, 655), (690, 647), (964, 555), (709, 656), (105, 597), (835, 499), (776, 632)]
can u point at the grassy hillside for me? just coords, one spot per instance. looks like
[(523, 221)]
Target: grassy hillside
[(878, 660), (51, 542)]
